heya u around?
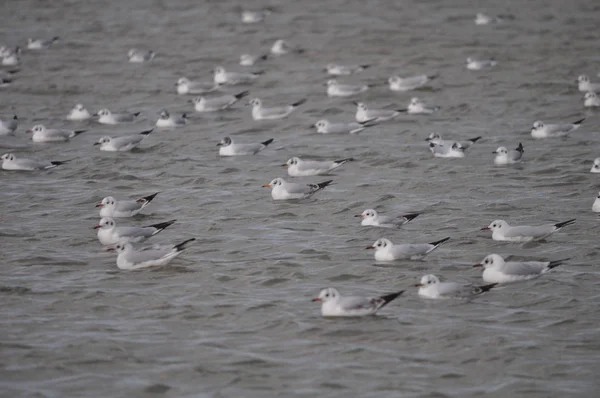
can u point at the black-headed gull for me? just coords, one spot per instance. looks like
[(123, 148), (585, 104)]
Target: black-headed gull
[(455, 150), (596, 205), (11, 162), (230, 148), (254, 16), (385, 250), (334, 304), (109, 233), (79, 113), (132, 259), (283, 190), (437, 138), (107, 117), (221, 76), (251, 60), (584, 84), (431, 287), (110, 207), (259, 112), (504, 156), (123, 143), (40, 44), (186, 86), (502, 231), (596, 166), (337, 89), (496, 270), (137, 56), (591, 100), (479, 64), (542, 130), (416, 106), (297, 167), (366, 114), (324, 126), (371, 218), (168, 120), (397, 83), (43, 134), (281, 47), (344, 70), (214, 104), (9, 125)]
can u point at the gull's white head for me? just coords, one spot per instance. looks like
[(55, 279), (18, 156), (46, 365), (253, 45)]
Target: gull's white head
[(394, 79), (105, 223), (381, 244), (491, 261), (225, 142), (183, 81), (434, 137), (583, 79), (501, 151), (164, 115), (331, 82), (246, 58), (428, 280), (103, 112), (219, 70), (104, 140), (360, 106), (120, 247), (415, 101), (538, 125), (255, 102), (470, 59), (597, 161), (277, 182), (292, 161), (496, 225), (8, 157), (589, 95), (368, 214), (79, 107), (328, 294), (132, 52), (322, 124), (38, 128), (199, 99), (107, 201)]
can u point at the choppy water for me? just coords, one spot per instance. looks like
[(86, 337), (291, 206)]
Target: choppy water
[(232, 316)]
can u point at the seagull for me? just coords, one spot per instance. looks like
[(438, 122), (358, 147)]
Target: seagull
[(365, 114), (474, 64), (437, 138), (254, 16), (110, 234), (504, 156), (297, 167), (11, 162), (281, 47), (344, 70), (334, 304), (442, 151), (398, 83), (596, 167), (205, 104), (585, 85), (496, 270), (40, 44), (418, 107), (11, 57), (283, 190), (168, 120), (504, 232), (122, 143), (140, 56), (326, 127), (131, 259), (79, 113), (431, 287), (186, 86), (8, 126), (110, 207), (591, 100), (42, 134), (385, 250), (596, 205), (259, 112), (221, 76), (251, 60), (370, 218), (335, 89), (230, 148), (541, 130), (107, 117)]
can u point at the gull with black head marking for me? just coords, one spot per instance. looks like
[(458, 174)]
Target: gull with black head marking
[(110, 207), (456, 150), (43, 134), (281, 47), (230, 148), (9, 125), (504, 156), (251, 60), (40, 44), (13, 163), (123, 143), (221, 76), (596, 166), (497, 270), (437, 139), (137, 56), (371, 218), (255, 16), (283, 190), (431, 287), (542, 130), (344, 70), (336, 89), (502, 231), (418, 107), (584, 84), (479, 64), (110, 234), (591, 100), (132, 259), (336, 305), (167, 120), (385, 250)]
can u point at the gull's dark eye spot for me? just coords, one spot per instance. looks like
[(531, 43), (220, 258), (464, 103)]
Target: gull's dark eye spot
[(327, 295)]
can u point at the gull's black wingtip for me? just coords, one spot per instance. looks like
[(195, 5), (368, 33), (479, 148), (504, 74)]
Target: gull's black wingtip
[(323, 184), (410, 217), (147, 132), (298, 103), (520, 148), (556, 263), (474, 140), (579, 121), (439, 242), (487, 288), (181, 245), (390, 297), (564, 223), (150, 197), (267, 142)]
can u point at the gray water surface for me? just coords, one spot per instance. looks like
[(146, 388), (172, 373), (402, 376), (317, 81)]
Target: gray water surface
[(232, 317)]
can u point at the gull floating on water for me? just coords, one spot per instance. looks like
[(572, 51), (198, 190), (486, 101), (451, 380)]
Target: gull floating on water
[(455, 150), (365, 114), (398, 83), (132, 259), (186, 86), (230, 148), (283, 190), (11, 162), (591, 100), (430, 287), (385, 250), (140, 56), (167, 120), (78, 113), (221, 76), (42, 134), (504, 156), (259, 112), (474, 64), (8, 126), (596, 167), (110, 234), (281, 47), (502, 231), (334, 304), (417, 107), (297, 167), (496, 270), (254, 16), (344, 70), (251, 60), (371, 218), (40, 44), (437, 139), (107, 117), (336, 89), (122, 143), (214, 104), (584, 84), (541, 130), (110, 207), (326, 127)]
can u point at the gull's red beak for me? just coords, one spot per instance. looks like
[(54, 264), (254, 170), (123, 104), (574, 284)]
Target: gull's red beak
[(99, 205), (29, 131), (110, 249), (369, 247), (478, 265), (317, 299), (284, 165), (267, 186), (358, 215), (419, 285), (485, 229), (98, 227)]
